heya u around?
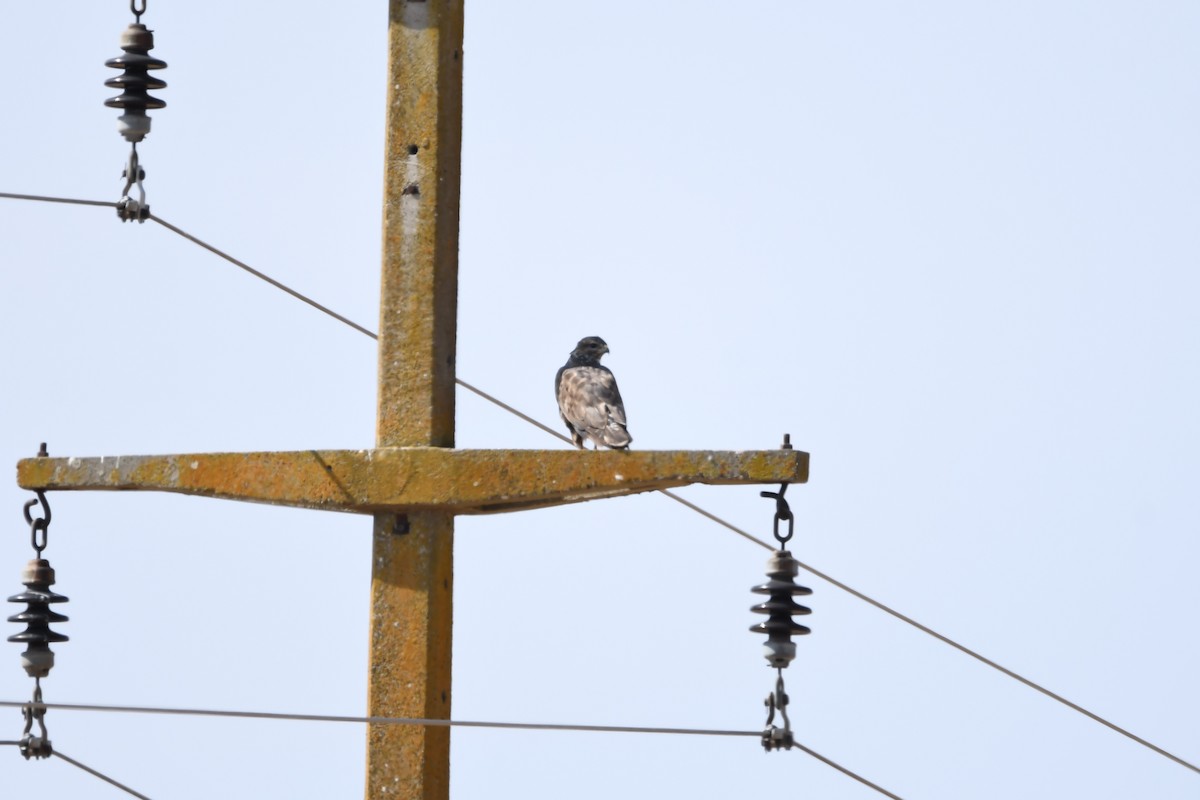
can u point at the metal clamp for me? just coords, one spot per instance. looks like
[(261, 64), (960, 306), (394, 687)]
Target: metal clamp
[(38, 746), (129, 209), (774, 738)]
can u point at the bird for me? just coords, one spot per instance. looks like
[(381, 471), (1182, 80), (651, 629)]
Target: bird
[(588, 398)]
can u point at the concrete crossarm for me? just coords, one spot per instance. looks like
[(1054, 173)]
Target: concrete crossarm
[(414, 478)]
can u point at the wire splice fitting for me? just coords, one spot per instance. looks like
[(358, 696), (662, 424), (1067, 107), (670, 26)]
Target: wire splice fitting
[(774, 737), (779, 649), (135, 82), (38, 658), (128, 208), (35, 745)]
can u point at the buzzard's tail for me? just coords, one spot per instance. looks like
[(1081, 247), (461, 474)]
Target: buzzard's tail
[(615, 436)]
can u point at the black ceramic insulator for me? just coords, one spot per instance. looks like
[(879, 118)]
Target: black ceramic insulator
[(779, 626), (38, 658), (135, 82)]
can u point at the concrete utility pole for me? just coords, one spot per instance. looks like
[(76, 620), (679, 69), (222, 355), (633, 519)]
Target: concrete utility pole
[(414, 482), (412, 567)]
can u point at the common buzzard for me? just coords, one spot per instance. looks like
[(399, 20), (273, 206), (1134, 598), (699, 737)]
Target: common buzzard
[(588, 398)]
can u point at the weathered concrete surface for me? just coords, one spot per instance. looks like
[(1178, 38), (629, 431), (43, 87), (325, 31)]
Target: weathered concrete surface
[(398, 480)]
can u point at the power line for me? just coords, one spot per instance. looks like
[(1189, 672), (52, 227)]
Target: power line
[(99, 775), (44, 199), (881, 606), (512, 410), (845, 771), (442, 723), (925, 629), (325, 309), (266, 278), (215, 251), (728, 525), (888, 609), (435, 723)]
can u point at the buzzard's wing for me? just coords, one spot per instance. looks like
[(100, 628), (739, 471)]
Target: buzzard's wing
[(591, 405), (563, 404)]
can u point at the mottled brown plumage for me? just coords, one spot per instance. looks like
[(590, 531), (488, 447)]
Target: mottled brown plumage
[(588, 398)]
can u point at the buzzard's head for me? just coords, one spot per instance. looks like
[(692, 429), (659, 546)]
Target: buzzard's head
[(589, 350)]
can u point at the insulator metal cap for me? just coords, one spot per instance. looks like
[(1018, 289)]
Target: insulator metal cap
[(38, 570), (782, 563), (137, 37)]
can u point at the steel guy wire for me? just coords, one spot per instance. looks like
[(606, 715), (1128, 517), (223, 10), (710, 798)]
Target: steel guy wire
[(442, 723), (882, 607), (104, 777)]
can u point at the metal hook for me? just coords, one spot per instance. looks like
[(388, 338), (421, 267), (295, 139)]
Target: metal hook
[(41, 498), (38, 523), (133, 6), (782, 512)]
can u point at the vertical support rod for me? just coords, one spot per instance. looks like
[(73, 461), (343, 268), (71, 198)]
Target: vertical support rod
[(412, 562)]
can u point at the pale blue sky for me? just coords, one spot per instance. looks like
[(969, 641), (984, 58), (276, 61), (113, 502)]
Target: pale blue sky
[(950, 247)]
